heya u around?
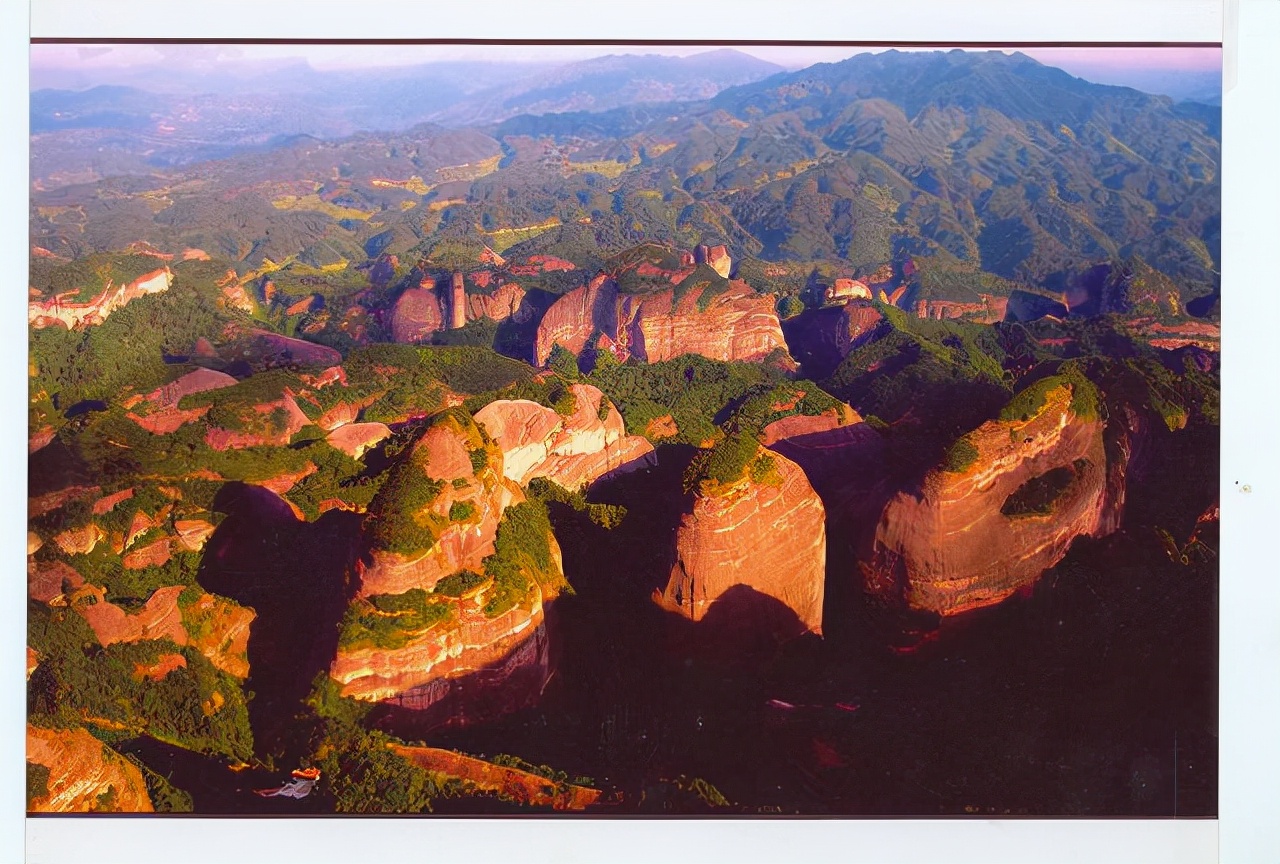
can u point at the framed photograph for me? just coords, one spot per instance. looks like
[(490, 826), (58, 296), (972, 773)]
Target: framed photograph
[(672, 432)]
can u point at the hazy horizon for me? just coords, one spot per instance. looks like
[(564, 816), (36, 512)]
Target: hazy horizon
[(72, 66)]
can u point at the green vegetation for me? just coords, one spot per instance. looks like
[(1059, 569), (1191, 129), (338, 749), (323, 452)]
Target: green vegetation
[(457, 584), (337, 476), (607, 516), (732, 458), (90, 275), (391, 621), (197, 706), (1037, 496), (37, 782), (1029, 401), (399, 520), (522, 551), (165, 797), (363, 775), (960, 456), (461, 511), (563, 362)]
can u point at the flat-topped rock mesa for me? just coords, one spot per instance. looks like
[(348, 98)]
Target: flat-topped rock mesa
[(158, 411), (1005, 505), (761, 535), (63, 311), (573, 451), (82, 775), (735, 323), (439, 510)]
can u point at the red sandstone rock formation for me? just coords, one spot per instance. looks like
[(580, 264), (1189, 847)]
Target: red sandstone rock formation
[(975, 536), (48, 580), (346, 411), (155, 554), (572, 451), (443, 454), (159, 617), (576, 317), (192, 533), (107, 503), (355, 438), (988, 310), (416, 315), (284, 482), (505, 301), (64, 312), (457, 302), (476, 665), (768, 536), (717, 257), (79, 541), (797, 425), (40, 438), (845, 290), (278, 422), (510, 783), (219, 629), (158, 670), (736, 324), (661, 427), (84, 774)]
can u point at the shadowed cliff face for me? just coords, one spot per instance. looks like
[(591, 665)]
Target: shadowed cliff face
[(296, 576)]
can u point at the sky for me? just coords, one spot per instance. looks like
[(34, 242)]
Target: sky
[(116, 57)]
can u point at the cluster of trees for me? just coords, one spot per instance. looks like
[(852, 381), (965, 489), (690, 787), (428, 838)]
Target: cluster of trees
[(195, 706)]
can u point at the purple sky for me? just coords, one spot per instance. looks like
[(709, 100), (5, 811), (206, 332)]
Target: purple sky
[(348, 56), (1137, 67)]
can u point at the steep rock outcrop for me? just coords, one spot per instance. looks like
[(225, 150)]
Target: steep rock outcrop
[(63, 311), (416, 315), (355, 438), (505, 301), (84, 775), (442, 458), (767, 535), (735, 323), (988, 310), (216, 627), (821, 338), (575, 318), (159, 617), (1005, 507), (572, 451), (476, 665)]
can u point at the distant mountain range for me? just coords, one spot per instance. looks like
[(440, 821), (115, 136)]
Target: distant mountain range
[(982, 165)]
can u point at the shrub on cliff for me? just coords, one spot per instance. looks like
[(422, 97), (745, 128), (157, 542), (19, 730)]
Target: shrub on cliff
[(390, 621), (398, 520), (960, 456), (522, 551)]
